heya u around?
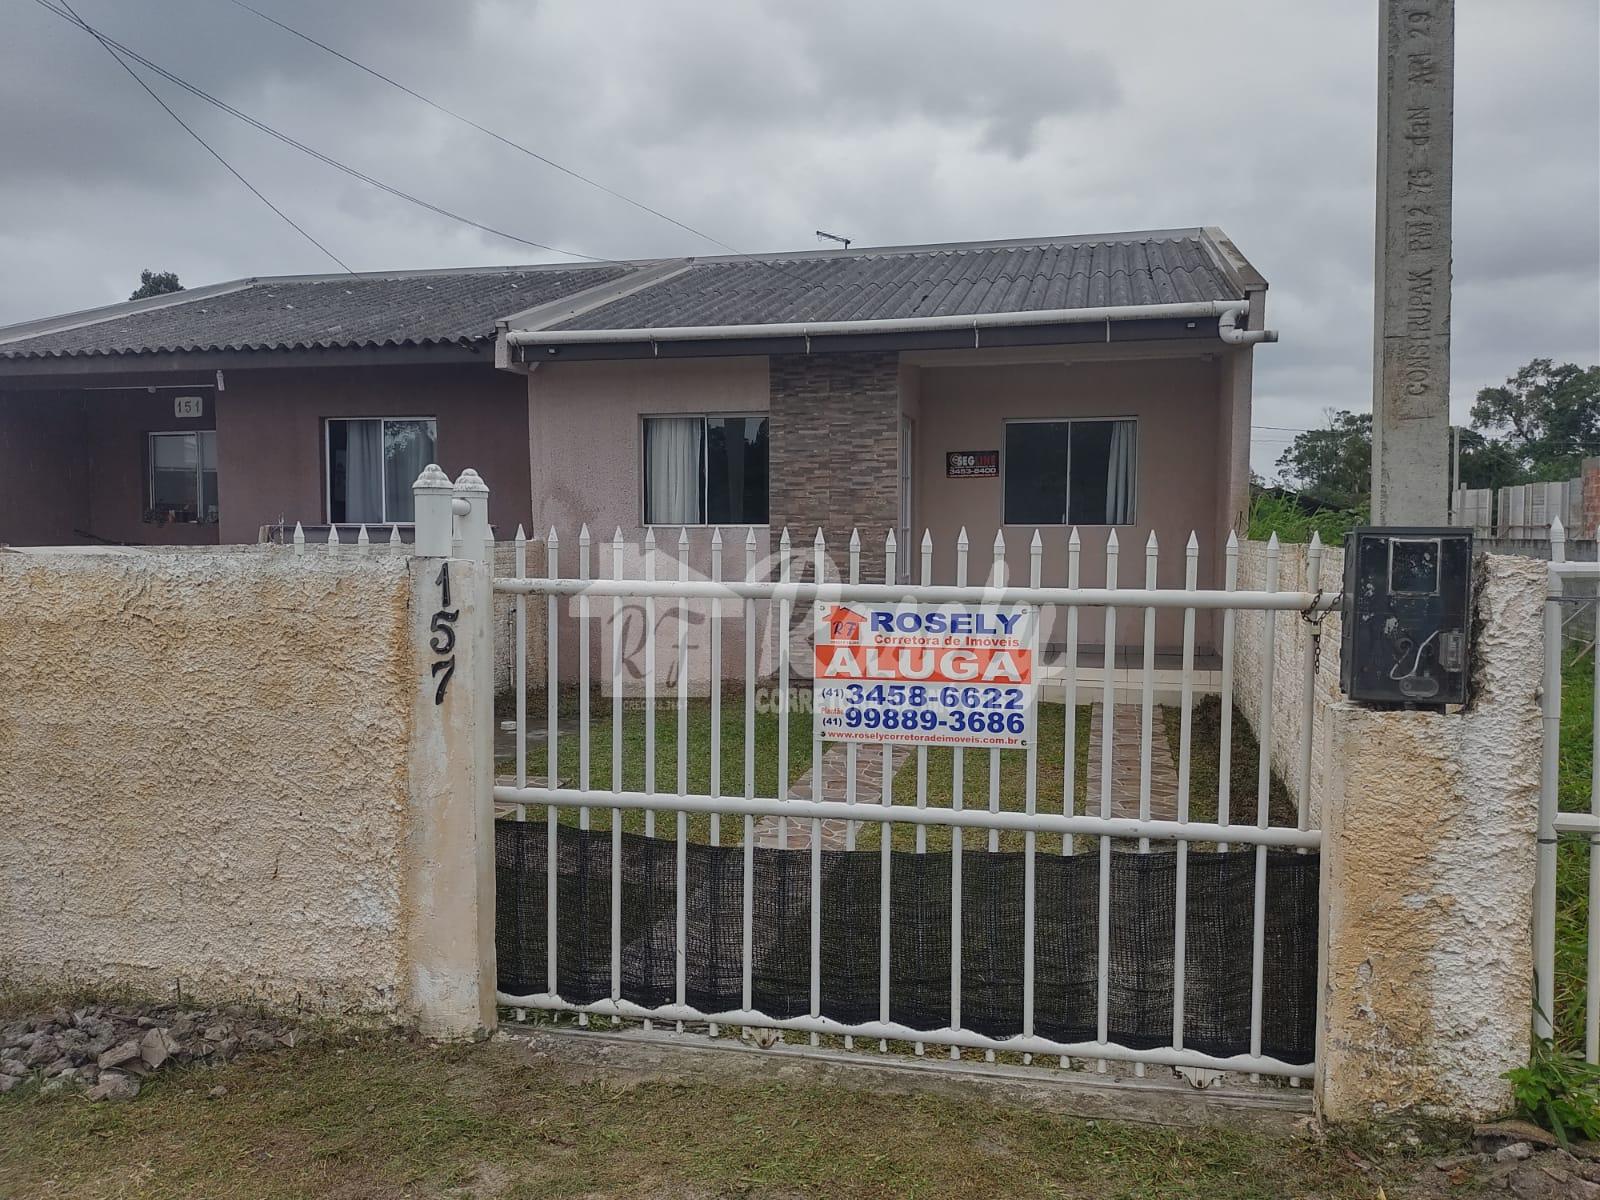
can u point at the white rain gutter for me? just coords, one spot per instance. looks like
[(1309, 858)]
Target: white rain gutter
[(1226, 312)]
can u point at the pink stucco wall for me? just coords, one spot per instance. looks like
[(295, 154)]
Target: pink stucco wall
[(270, 435), (43, 478), (1180, 477), (82, 452), (586, 440)]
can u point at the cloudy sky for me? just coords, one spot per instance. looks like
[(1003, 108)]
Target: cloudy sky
[(760, 122)]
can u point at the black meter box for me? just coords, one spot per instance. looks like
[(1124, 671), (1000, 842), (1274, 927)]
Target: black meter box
[(1407, 616)]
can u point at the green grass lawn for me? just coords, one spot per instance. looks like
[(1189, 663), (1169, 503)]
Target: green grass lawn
[(939, 768), (380, 1116), (1572, 854)]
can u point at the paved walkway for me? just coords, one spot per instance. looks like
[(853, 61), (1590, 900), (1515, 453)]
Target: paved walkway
[(835, 786), (1125, 765)]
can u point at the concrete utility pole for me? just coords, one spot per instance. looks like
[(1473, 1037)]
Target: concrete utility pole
[(1411, 351)]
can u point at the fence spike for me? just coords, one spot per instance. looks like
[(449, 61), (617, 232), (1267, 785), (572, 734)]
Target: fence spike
[(583, 534), (650, 538), (683, 538), (521, 538), (1272, 543), (716, 536), (552, 538), (1316, 540), (927, 539), (333, 535), (889, 542), (783, 541), (855, 539), (362, 539), (819, 540), (1193, 544), (961, 538), (1072, 538), (1233, 540), (394, 537), (750, 540), (1036, 542), (1111, 541), (999, 542), (1150, 542), (299, 539)]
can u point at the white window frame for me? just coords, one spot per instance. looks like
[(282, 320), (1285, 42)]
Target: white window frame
[(383, 467), (199, 472), (1138, 440), (705, 482)]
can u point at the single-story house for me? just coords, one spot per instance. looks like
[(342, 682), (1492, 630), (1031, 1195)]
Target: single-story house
[(1102, 382)]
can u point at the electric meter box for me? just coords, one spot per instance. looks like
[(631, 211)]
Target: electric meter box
[(1407, 616)]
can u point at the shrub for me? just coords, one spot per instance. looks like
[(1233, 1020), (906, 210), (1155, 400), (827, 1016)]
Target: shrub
[(1559, 1091)]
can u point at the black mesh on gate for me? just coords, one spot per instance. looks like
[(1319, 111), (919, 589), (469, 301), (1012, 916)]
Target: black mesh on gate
[(1221, 900)]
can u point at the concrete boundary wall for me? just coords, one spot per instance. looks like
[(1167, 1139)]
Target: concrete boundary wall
[(1291, 638), (215, 774)]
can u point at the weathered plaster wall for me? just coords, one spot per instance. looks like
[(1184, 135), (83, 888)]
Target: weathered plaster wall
[(204, 773), (1291, 638), (1428, 855)]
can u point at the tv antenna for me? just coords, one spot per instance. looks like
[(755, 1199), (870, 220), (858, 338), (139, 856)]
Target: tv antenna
[(834, 237)]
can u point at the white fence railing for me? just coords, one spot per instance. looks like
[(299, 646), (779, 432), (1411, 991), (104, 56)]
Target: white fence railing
[(1560, 977), (1054, 808)]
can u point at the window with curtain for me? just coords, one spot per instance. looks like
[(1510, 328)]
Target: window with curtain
[(705, 470), (183, 477), (372, 463), (1070, 472)]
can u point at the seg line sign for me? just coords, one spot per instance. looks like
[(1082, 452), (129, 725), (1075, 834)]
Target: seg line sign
[(927, 674)]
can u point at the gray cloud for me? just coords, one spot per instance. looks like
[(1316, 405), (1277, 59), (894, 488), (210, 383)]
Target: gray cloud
[(762, 122)]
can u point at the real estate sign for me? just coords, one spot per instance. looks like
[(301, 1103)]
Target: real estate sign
[(926, 674)]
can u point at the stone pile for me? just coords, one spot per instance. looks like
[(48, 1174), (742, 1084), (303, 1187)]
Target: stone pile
[(1524, 1160), (109, 1050)]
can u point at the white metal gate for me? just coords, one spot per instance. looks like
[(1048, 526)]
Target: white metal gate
[(1057, 818), (1567, 887)]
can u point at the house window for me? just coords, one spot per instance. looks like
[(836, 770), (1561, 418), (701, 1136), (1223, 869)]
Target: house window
[(1070, 472), (183, 477), (705, 470), (372, 463)]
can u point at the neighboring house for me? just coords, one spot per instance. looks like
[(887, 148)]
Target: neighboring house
[(1099, 381)]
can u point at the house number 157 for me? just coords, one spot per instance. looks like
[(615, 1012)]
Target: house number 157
[(443, 642)]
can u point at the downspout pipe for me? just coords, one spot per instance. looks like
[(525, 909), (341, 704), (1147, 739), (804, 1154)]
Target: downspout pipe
[(1229, 330), (1226, 312)]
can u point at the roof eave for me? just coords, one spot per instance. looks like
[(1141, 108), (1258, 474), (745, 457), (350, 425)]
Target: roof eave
[(1198, 329), (61, 369)]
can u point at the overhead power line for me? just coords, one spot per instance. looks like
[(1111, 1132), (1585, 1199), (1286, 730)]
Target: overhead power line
[(485, 130), (110, 42), (211, 150)]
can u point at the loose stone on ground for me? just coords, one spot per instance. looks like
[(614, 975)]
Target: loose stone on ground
[(107, 1050)]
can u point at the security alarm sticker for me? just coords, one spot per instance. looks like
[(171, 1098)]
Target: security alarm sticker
[(926, 674)]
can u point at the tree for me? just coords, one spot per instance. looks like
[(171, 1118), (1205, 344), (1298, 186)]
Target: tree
[(1332, 466), (1487, 462), (1549, 416), (156, 283)]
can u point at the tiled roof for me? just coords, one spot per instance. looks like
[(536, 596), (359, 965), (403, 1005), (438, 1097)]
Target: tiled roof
[(897, 284), (463, 307), (400, 309)]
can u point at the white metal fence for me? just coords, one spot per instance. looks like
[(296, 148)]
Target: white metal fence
[(1567, 889), (735, 604)]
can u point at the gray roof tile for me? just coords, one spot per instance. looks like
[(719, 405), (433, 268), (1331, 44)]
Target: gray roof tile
[(416, 309), (463, 306)]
